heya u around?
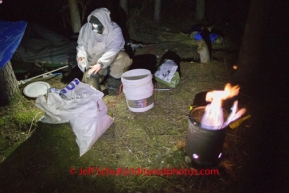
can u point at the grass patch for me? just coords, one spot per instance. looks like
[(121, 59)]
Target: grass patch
[(41, 156), (17, 123)]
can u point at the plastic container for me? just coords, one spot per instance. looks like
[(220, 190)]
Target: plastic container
[(138, 89), (203, 146)]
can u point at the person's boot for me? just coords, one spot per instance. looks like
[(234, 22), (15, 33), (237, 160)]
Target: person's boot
[(113, 85), (103, 79)]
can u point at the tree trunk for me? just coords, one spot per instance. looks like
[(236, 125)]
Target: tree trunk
[(74, 14), (157, 10), (8, 85), (250, 52), (200, 11), (124, 6)]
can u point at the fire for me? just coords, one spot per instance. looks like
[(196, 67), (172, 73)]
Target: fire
[(217, 96), (213, 117)]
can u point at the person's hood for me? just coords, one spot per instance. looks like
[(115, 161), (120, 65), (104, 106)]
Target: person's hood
[(103, 15)]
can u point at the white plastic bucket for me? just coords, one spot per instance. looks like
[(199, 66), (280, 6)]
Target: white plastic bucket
[(138, 89)]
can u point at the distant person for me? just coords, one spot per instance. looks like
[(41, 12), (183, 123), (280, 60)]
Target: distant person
[(100, 50)]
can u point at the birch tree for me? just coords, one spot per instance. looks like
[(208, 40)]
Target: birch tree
[(124, 6), (200, 11), (75, 17), (157, 10)]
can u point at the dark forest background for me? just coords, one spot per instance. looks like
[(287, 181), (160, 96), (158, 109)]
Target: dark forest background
[(55, 14)]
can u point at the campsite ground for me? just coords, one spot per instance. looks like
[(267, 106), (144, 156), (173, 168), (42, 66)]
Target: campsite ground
[(38, 157)]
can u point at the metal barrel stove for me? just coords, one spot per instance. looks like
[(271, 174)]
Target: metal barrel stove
[(203, 146)]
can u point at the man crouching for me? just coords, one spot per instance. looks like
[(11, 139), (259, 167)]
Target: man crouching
[(100, 51)]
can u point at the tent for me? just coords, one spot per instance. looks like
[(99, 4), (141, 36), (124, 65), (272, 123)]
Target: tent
[(38, 48)]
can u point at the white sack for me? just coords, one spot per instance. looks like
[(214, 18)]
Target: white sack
[(82, 106)]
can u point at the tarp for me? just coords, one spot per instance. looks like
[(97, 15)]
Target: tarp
[(11, 34), (213, 36), (43, 46)]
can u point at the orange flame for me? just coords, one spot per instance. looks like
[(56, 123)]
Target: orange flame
[(216, 97), (214, 114)]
